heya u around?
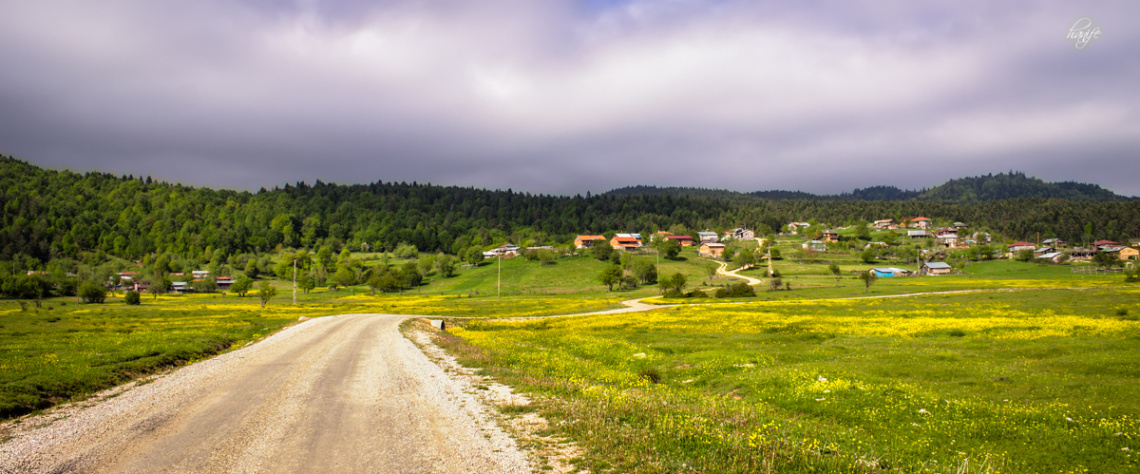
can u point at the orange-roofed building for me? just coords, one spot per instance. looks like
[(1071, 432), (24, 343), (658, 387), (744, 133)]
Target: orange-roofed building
[(625, 243), (587, 241)]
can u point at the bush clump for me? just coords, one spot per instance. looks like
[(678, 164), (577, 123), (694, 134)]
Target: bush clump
[(91, 292), (739, 290), (651, 374), (132, 298)]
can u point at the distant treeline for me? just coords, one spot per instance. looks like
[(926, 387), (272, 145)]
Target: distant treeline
[(49, 214), (991, 187)]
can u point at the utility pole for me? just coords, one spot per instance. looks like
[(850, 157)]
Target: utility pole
[(294, 280)]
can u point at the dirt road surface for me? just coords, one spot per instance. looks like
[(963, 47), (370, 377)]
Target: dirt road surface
[(733, 274), (336, 394)]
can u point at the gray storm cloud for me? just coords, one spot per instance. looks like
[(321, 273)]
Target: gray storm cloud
[(564, 97)]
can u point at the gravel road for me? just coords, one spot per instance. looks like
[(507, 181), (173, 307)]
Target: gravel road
[(337, 394)]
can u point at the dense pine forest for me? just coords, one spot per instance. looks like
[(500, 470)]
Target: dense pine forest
[(51, 214)]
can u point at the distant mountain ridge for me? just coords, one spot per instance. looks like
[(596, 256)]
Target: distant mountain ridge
[(991, 187)]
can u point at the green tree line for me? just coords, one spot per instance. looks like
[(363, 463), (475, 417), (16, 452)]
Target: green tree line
[(50, 214)]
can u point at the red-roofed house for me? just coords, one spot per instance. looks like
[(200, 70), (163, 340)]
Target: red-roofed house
[(1105, 243), (684, 240), (1019, 246)]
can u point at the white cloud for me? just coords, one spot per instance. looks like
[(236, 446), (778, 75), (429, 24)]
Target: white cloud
[(550, 96)]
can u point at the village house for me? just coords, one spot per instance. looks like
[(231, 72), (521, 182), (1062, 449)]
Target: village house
[(888, 272), (198, 274), (831, 235), (1019, 246), (1124, 253), (885, 224), (1101, 244), (1083, 253), (796, 227), (661, 234), (1055, 243), (816, 245), (625, 242), (711, 249), (224, 282), (960, 225), (1054, 256), (1134, 242), (740, 234), (684, 240), (920, 223), (935, 268), (917, 234), (708, 237), (182, 287), (587, 241), (948, 236), (503, 251)]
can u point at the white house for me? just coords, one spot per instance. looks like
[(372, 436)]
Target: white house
[(708, 237)]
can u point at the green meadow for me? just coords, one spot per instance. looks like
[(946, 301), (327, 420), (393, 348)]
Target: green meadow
[(1023, 368), (1028, 381)]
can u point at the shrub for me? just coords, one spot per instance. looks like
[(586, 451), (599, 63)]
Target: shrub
[(673, 286), (91, 292), (265, 291), (132, 298), (651, 374), (739, 290), (957, 333), (628, 282), (696, 294), (407, 251)]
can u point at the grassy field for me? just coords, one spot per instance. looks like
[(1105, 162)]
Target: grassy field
[(1026, 381), (64, 351), (568, 275), (1034, 371)]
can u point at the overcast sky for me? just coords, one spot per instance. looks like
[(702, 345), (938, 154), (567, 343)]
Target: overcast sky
[(569, 96)]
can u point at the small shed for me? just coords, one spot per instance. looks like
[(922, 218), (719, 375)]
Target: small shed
[(936, 268)]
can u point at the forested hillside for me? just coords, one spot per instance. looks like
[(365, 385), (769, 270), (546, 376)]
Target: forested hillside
[(49, 214), (1014, 185), (991, 187)]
